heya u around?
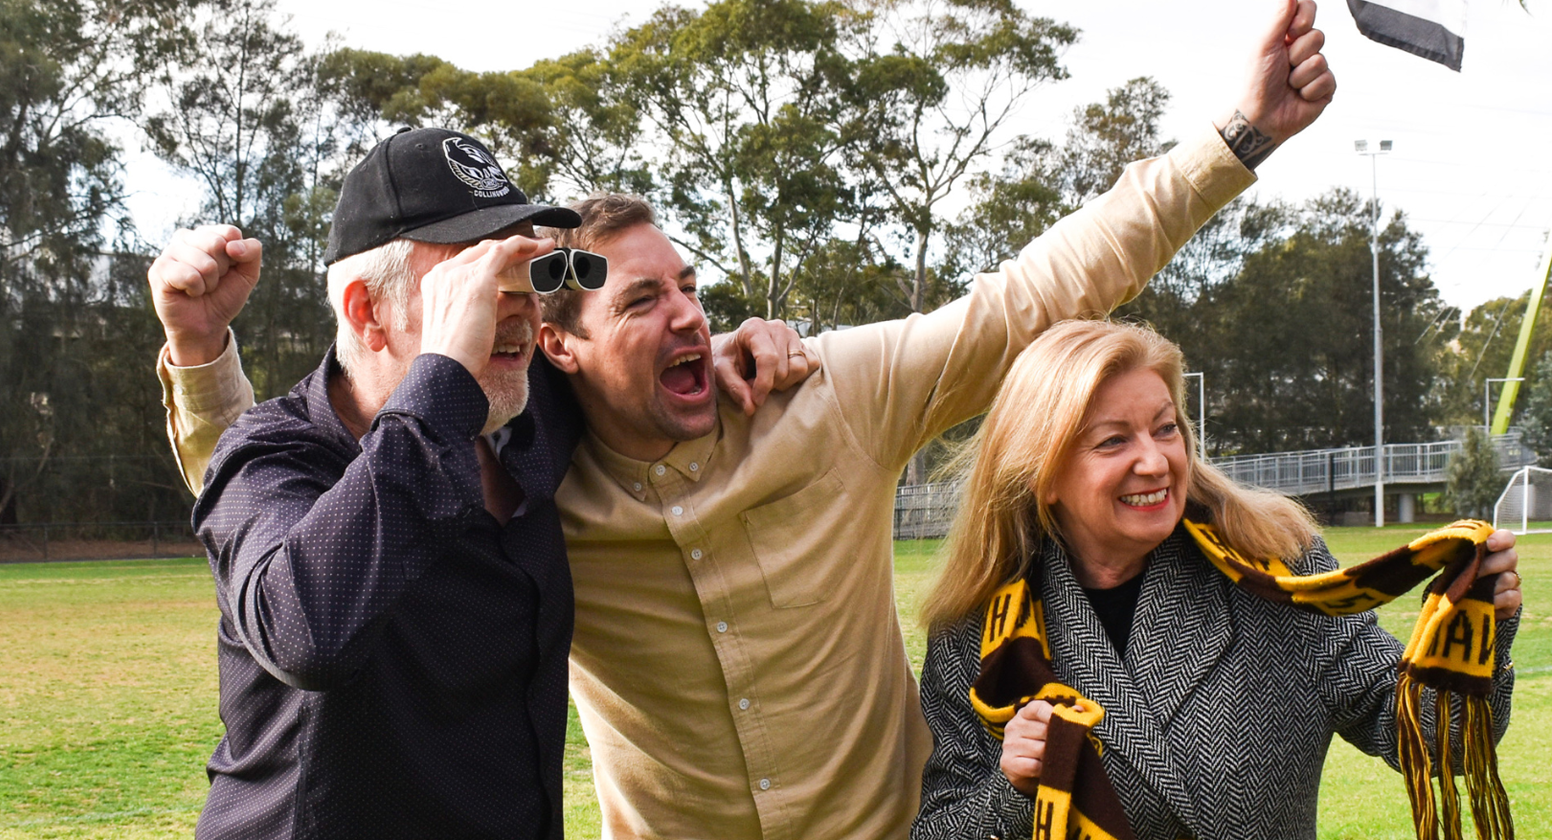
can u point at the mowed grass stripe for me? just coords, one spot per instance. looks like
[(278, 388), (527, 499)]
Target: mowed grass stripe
[(108, 700)]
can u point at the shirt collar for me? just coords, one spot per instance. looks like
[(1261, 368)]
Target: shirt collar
[(688, 459), (319, 408)]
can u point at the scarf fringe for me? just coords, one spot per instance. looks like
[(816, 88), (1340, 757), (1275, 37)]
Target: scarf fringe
[(1416, 767), (1489, 800), (1438, 811), (1449, 796)]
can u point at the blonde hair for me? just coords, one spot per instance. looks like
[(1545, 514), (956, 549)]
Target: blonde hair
[(1012, 461)]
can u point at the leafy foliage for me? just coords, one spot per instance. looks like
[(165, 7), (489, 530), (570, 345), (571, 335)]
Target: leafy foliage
[(245, 109), (1472, 478), (804, 152), (70, 315), (1536, 412)]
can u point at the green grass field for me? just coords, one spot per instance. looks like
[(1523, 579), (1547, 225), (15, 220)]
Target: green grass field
[(108, 700)]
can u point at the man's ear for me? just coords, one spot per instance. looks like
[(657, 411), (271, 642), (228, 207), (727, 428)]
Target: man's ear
[(558, 345), (363, 316)]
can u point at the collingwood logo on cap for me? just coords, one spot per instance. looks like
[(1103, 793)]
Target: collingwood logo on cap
[(474, 166)]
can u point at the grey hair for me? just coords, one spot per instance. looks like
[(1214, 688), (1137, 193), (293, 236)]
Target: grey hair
[(388, 275)]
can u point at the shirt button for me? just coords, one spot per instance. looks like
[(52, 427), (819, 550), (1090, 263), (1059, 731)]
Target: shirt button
[(743, 704), (694, 466), (637, 485), (695, 554), (765, 784), (678, 510), (660, 469), (722, 627)]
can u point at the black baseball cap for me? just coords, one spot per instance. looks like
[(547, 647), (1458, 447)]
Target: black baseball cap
[(430, 185)]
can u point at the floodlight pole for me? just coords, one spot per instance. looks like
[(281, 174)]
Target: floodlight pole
[(1488, 383), (1362, 147), (1201, 413)]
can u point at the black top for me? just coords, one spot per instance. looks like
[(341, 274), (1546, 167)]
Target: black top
[(392, 660), (1115, 607)]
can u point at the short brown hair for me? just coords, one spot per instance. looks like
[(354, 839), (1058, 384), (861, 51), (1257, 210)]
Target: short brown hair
[(604, 216)]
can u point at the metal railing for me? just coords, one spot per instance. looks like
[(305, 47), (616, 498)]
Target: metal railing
[(924, 511), (1352, 467), (33, 541)]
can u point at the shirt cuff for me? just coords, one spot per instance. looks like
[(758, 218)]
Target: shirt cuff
[(443, 395), (1214, 172), (217, 390)]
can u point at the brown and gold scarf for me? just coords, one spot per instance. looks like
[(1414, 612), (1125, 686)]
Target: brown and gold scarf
[(1451, 651)]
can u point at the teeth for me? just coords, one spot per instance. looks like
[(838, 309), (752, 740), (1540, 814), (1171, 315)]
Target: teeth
[(508, 348), (686, 360), (1145, 499)]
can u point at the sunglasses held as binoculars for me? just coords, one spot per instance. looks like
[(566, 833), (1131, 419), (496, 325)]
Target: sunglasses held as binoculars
[(569, 267)]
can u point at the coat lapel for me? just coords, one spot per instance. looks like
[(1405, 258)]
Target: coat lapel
[(1181, 628), (1085, 659)]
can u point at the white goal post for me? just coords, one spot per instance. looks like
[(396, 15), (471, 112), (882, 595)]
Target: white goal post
[(1525, 507)]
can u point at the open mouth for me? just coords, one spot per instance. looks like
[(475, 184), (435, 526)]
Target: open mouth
[(514, 342), (513, 350), (685, 376), (1146, 500)]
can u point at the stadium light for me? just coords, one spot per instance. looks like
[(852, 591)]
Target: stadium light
[(1362, 148), (1201, 413)]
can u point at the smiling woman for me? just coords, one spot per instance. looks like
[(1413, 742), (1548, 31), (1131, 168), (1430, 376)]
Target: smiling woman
[(1090, 598)]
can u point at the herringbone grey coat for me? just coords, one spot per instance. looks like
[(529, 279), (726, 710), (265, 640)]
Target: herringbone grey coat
[(1216, 723)]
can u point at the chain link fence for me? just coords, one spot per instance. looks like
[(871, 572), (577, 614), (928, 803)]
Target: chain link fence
[(42, 541), (93, 507)]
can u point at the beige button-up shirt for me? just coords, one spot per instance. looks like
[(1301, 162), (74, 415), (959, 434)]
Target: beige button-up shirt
[(738, 662)]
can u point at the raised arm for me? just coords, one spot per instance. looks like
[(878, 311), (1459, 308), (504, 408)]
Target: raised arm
[(1288, 85), (199, 283), (901, 383)]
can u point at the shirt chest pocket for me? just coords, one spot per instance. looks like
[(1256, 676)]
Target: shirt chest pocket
[(793, 546)]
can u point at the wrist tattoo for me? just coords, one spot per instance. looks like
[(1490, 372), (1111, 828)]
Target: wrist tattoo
[(1248, 143)]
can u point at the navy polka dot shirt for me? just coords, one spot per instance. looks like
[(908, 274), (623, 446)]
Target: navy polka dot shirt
[(392, 660)]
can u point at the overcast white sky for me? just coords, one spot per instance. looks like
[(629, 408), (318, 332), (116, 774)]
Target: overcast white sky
[(1471, 166)]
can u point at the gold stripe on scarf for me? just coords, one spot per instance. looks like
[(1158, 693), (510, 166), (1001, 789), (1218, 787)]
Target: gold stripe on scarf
[(1451, 650)]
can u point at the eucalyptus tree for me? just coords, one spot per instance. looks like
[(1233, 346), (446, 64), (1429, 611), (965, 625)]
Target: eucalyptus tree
[(1286, 344), (936, 84), (743, 105), (243, 107), (72, 75)]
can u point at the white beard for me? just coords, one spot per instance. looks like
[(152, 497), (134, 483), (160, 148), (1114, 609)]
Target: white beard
[(507, 391)]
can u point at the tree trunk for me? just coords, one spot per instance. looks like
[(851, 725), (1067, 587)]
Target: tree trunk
[(916, 470), (919, 281)]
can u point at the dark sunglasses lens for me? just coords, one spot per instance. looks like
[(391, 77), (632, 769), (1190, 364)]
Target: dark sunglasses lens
[(547, 273), (592, 270)]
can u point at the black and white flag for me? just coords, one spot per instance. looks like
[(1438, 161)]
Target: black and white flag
[(1433, 29)]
